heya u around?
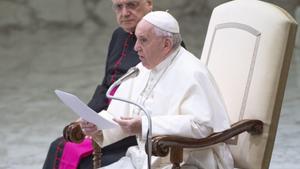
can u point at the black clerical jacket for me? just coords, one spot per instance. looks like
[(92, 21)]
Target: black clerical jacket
[(121, 56)]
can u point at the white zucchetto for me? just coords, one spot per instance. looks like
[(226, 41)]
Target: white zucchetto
[(163, 20)]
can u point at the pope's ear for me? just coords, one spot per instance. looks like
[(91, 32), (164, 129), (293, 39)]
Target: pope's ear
[(168, 43), (149, 5)]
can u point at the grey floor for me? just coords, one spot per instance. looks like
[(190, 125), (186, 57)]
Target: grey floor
[(33, 65)]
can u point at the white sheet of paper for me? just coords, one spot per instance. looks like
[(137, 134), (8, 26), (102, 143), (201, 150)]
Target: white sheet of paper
[(102, 120)]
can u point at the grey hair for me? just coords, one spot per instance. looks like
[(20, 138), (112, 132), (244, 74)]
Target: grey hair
[(175, 37)]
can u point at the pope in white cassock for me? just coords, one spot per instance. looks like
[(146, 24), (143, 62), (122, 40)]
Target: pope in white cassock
[(179, 93)]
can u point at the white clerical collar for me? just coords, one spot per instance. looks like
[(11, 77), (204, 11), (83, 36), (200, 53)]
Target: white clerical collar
[(166, 62)]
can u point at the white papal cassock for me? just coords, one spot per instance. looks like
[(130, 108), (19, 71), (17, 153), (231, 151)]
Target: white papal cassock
[(182, 98)]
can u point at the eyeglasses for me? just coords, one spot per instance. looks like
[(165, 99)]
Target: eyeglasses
[(132, 5)]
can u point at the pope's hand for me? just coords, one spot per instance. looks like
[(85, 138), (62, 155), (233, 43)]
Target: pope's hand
[(89, 129), (130, 125)]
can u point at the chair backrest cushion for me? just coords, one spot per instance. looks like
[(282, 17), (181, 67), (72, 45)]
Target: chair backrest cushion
[(248, 49)]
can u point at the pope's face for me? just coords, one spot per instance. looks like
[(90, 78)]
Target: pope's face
[(149, 46), (130, 12)]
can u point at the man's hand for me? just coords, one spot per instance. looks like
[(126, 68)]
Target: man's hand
[(130, 125), (89, 129)]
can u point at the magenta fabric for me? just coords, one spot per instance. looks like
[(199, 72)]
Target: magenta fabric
[(112, 92), (73, 152)]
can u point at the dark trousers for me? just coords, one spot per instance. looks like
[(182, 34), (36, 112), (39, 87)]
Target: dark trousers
[(110, 153)]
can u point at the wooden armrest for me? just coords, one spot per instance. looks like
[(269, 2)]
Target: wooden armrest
[(161, 144), (73, 133)]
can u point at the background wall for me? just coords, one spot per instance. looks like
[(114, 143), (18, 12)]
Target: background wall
[(61, 44)]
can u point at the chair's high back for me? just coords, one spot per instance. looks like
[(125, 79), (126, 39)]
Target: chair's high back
[(248, 50)]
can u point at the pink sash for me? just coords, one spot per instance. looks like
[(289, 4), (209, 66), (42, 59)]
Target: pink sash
[(73, 152)]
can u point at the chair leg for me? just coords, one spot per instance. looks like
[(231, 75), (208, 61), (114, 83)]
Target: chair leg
[(176, 157), (96, 156)]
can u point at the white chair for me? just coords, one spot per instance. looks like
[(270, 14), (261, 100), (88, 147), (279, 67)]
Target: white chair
[(248, 49)]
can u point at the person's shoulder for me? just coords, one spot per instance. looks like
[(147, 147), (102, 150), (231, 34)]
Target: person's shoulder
[(119, 32), (189, 58), (190, 64), (118, 35)]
